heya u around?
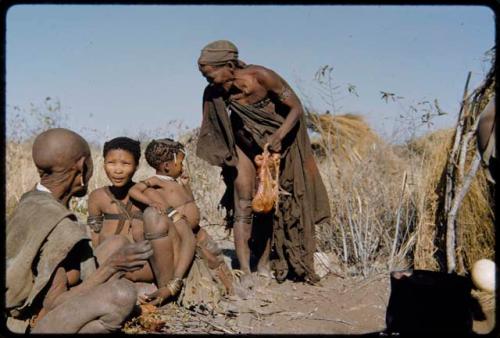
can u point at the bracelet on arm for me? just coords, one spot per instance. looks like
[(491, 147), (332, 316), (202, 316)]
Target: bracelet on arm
[(285, 93), (95, 222)]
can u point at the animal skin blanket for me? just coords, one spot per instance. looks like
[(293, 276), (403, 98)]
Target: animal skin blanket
[(293, 239), (40, 234)]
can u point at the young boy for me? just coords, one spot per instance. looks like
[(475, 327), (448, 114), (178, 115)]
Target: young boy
[(111, 211), (169, 193)]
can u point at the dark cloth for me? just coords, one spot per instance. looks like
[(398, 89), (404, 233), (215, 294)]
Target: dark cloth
[(293, 239), (218, 53), (40, 234)]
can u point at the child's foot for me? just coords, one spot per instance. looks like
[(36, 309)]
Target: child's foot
[(157, 298)]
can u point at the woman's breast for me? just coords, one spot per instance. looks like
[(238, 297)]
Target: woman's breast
[(134, 232)]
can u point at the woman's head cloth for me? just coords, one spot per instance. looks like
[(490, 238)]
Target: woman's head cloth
[(218, 53)]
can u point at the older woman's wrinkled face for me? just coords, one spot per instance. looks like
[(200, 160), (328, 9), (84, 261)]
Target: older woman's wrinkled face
[(218, 75)]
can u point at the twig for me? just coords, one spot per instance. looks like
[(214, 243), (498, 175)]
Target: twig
[(365, 283), (327, 319), (398, 218), (332, 320), (456, 144), (450, 229), (215, 326)]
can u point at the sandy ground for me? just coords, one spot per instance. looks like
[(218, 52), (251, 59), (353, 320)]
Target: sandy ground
[(338, 305), (335, 306)]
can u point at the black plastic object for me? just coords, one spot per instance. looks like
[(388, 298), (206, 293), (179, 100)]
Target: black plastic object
[(429, 302)]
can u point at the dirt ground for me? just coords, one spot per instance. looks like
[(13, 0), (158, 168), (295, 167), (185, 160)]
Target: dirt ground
[(336, 306)]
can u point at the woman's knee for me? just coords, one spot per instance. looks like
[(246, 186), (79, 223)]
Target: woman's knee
[(124, 293), (120, 298), (243, 213)]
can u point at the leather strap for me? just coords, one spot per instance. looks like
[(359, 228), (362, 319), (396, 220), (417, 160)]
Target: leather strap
[(126, 210)]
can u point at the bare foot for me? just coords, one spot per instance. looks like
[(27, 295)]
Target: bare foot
[(245, 287), (247, 280), (144, 288), (156, 298), (264, 275)]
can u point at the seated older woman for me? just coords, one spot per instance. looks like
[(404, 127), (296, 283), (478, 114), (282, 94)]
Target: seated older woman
[(53, 285)]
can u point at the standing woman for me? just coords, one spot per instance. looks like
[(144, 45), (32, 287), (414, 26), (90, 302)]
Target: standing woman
[(245, 107)]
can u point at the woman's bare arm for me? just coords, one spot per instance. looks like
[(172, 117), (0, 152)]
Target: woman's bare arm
[(94, 209), (274, 84)]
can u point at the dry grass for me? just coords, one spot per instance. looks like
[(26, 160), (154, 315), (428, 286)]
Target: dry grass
[(348, 135), (370, 196), (475, 221), (384, 198), (432, 151)]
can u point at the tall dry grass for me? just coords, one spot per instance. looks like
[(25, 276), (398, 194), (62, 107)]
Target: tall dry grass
[(475, 221), (370, 192)]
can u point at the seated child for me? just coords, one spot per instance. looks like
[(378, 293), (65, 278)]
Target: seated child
[(111, 211), (175, 207), (170, 194), (170, 185)]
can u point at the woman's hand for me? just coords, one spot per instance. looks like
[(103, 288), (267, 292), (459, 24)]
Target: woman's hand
[(275, 142), (130, 257), (59, 286)]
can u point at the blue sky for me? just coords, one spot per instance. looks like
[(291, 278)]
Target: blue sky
[(124, 69)]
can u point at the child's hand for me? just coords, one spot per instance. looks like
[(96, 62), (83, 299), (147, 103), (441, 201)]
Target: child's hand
[(184, 179), (158, 206), (152, 182)]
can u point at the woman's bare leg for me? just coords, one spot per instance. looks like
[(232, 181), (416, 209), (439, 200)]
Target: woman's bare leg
[(244, 185), (263, 235), (99, 310)]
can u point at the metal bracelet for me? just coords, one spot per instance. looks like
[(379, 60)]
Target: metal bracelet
[(95, 222), (175, 286)]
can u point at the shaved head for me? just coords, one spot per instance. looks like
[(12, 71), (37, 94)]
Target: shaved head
[(58, 149), (64, 162)]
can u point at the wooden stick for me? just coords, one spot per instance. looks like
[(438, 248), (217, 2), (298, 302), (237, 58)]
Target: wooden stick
[(217, 327), (456, 143), (332, 320), (450, 227), (398, 217)]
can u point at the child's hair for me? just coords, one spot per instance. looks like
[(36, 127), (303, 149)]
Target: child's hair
[(124, 143), (162, 150)]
